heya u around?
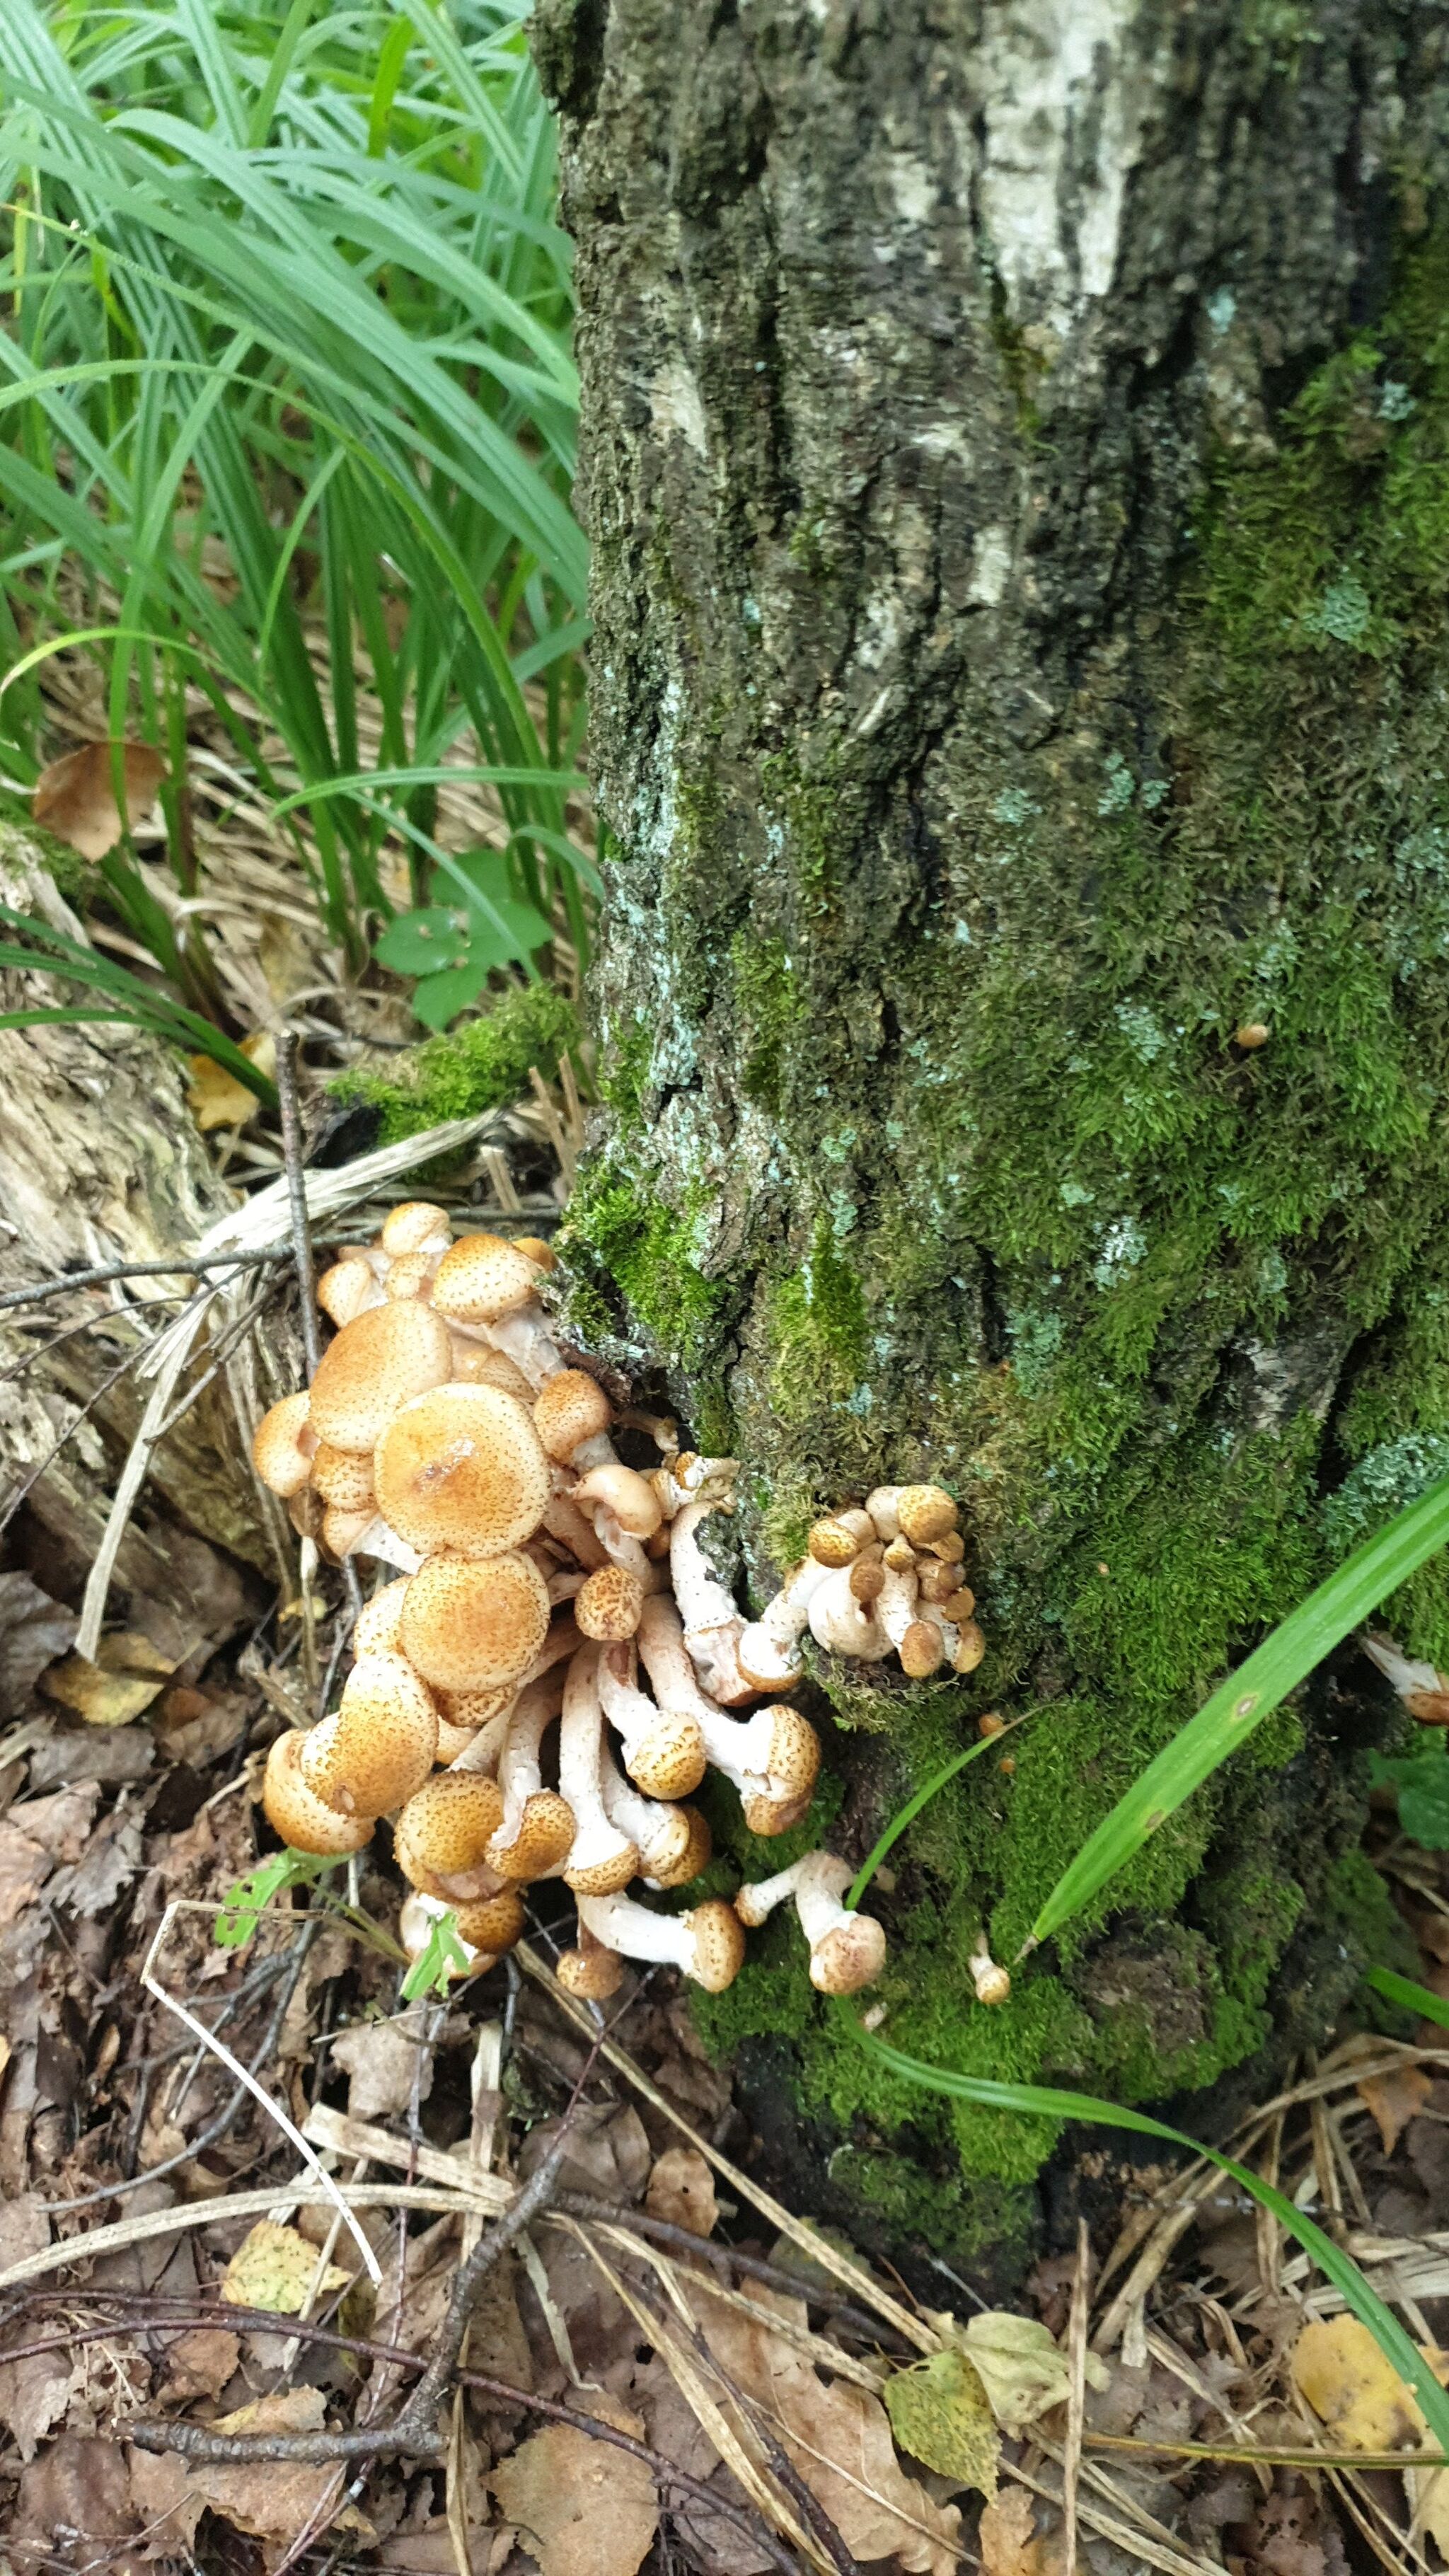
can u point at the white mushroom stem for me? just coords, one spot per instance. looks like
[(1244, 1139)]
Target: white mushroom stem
[(843, 1625), (415, 1929), (992, 1984), (658, 1830), (520, 1774), (847, 1950), (650, 1736), (622, 1548), (767, 1647), (713, 1623), (895, 1604), (1423, 1689), (600, 1853), (881, 1507), (706, 1943), (747, 1750), (563, 1640), (485, 1749), (564, 1521)]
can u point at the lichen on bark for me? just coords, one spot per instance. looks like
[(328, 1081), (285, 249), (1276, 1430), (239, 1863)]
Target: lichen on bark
[(1017, 463)]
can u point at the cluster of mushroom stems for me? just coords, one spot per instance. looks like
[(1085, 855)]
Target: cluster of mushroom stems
[(541, 1582)]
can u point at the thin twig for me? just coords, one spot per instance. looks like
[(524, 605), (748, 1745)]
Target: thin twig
[(186, 1265), (1077, 2359), (297, 1196)]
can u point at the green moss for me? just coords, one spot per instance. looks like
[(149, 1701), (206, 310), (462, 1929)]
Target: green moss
[(819, 1334), (480, 1066), (770, 1004)]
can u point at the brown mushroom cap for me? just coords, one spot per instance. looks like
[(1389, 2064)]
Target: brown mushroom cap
[(492, 1922), (285, 1443), (970, 1647), (293, 1810), (669, 1760), (851, 1955), (766, 1816), (413, 1225), (376, 1628), (922, 1650), (480, 1277), (343, 1525), (444, 1831), (478, 1364), (470, 1709), (470, 1623), (348, 1286), (545, 1837), (592, 1970), (570, 1408), (608, 1605), (533, 1247), (343, 1476), (460, 1467), (697, 1854), (719, 1945), (377, 1363), (380, 1745), (925, 1512), (410, 1275)]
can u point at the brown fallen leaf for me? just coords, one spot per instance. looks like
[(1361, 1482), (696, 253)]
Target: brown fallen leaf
[(75, 797), (61, 1823), (1394, 2099), (24, 1869), (215, 1097), (275, 2268), (382, 2063), (681, 2191), (580, 2507), (75, 2509), (1009, 2543), (275, 2499), (199, 2364), (33, 2391), (34, 1630)]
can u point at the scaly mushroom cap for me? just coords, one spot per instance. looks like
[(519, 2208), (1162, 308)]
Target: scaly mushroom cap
[(453, 1742), (344, 1525), (569, 1409), (591, 1970), (470, 1623), (922, 1650), (467, 1710), (343, 1477), (349, 1287), (545, 1837), (851, 1955), (381, 1744), (624, 1492), (410, 1275), (492, 1922), (767, 1816), (478, 1364), (297, 1814), (379, 1362), (719, 1945), (443, 1833), (460, 1467), (534, 1249), (608, 1604), (697, 1854), (376, 1629), (924, 1512), (285, 1444), (415, 1928), (840, 1537), (970, 1647), (480, 1276), (415, 1226)]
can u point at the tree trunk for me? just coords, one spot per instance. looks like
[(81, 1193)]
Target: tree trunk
[(1015, 458)]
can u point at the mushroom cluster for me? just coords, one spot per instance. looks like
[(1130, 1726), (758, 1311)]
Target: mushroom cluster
[(541, 1583)]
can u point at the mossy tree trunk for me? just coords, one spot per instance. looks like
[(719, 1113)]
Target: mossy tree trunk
[(1017, 466)]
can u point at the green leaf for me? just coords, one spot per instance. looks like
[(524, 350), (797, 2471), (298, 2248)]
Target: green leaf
[(1409, 1996), (438, 999), (419, 943), (246, 1901), (1422, 1781), (1246, 1698), (941, 2414), (1045, 2101), (442, 1958)]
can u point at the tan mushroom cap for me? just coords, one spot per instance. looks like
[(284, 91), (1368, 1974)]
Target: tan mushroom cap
[(444, 1831), (343, 1524), (924, 1512), (470, 1623), (410, 1275), (293, 1810), (285, 1443), (378, 1362), (414, 1226), (380, 1745), (570, 1408), (470, 1709), (719, 1945), (347, 1287), (851, 1955), (624, 1492), (839, 1538), (460, 1467), (544, 1838), (376, 1628), (766, 1816), (697, 1854), (608, 1605), (492, 1922), (478, 1364), (922, 1650), (592, 1970), (669, 1760), (970, 1647), (343, 1477), (481, 1277)]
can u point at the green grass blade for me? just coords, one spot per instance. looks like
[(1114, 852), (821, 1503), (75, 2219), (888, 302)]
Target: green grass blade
[(1246, 1698), (1042, 2100), (1412, 1998), (907, 1814)]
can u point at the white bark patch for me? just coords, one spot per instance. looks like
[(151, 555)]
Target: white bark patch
[(990, 565), (1062, 111), (675, 404)]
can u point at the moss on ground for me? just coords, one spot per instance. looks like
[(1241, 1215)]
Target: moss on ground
[(482, 1065)]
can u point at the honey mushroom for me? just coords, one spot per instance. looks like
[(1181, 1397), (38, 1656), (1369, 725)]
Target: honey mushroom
[(305, 1822), (379, 1746), (847, 1950), (772, 1758), (708, 1943), (536, 1830), (600, 1858)]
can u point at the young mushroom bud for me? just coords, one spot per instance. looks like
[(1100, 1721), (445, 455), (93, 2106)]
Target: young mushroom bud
[(866, 1576), (304, 1821), (969, 1649), (601, 1858), (478, 1364), (376, 1628), (608, 1603), (377, 1364), (590, 1971), (697, 1854), (919, 1513), (623, 1492), (350, 1287), (534, 1249), (285, 1446), (379, 1746), (461, 1468), (343, 1477), (707, 1943), (992, 1984), (537, 1828), (415, 1929), (663, 1749), (411, 1275), (493, 1923), (572, 1415), (441, 1838), (844, 1625), (837, 1539), (847, 1951), (416, 1226), (768, 1646), (772, 1758), (922, 1650), (471, 1623)]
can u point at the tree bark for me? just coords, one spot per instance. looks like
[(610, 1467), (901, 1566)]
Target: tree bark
[(1015, 460)]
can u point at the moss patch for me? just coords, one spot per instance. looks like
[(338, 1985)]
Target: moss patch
[(480, 1066)]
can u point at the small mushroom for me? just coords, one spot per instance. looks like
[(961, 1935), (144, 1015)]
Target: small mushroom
[(411, 1275), (294, 1811), (607, 1604), (713, 1623), (708, 1943), (482, 1277), (460, 1467), (663, 1749), (572, 1415), (919, 1513), (624, 1493), (537, 1828), (415, 1929), (478, 1364), (376, 1629), (689, 1478), (918, 1641), (601, 1858), (662, 1834), (351, 1286), (841, 1623), (377, 1364), (992, 1984), (772, 1758), (471, 1623), (492, 1923), (343, 1477), (413, 1227), (697, 1854), (767, 1647), (840, 1537), (847, 1950), (285, 1445), (380, 1744), (442, 1835), (590, 1971)]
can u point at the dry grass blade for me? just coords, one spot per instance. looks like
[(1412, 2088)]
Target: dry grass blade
[(869, 2375)]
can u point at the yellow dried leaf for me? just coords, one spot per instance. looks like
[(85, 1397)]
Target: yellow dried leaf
[(1353, 2388), (1395, 2099), (274, 2269), (1023, 2370), (215, 1097), (1009, 2546), (101, 1698), (76, 797), (681, 2191), (941, 2414)]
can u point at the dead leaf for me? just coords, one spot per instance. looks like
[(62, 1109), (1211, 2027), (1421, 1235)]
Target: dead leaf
[(608, 2152), (75, 2508), (217, 1098), (200, 2363), (127, 1675), (941, 2414), (165, 2499), (197, 1727), (275, 2499), (275, 2269), (75, 797), (1394, 2100), (1023, 2370), (381, 2058), (33, 2391), (34, 1630), (681, 2191), (1008, 2543), (61, 1823), (1353, 2388), (24, 1869), (581, 2507)]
